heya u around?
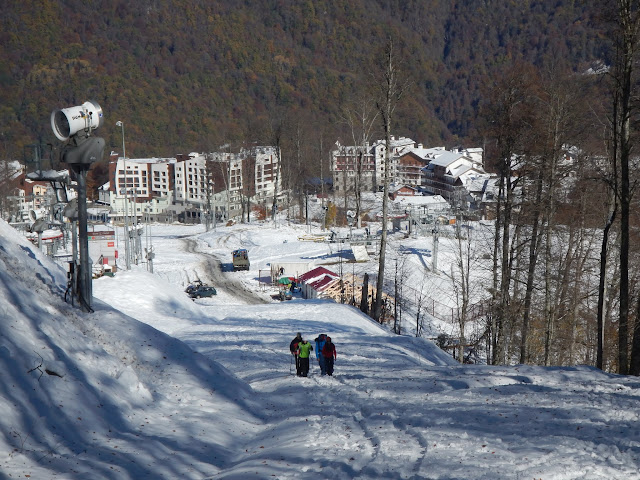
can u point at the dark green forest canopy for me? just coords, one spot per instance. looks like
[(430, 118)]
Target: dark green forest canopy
[(190, 75)]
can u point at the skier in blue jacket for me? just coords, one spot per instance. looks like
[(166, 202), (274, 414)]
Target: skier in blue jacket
[(320, 340)]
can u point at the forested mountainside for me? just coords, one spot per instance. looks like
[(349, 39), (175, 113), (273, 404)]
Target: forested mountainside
[(189, 75)]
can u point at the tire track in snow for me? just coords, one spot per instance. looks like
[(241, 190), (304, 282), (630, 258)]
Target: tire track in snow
[(212, 273)]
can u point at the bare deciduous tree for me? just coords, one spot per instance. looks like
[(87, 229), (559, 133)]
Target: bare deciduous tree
[(390, 89), (360, 117), (624, 73), (508, 118)]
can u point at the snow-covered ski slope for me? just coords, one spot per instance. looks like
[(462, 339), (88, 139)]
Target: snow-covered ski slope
[(173, 388)]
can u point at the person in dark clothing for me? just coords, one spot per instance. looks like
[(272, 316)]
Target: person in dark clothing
[(329, 354), (320, 339), (304, 351), (293, 348)]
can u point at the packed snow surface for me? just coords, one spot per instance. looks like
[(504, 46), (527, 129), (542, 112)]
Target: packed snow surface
[(154, 385)]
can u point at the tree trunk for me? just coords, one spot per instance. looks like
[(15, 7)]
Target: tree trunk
[(377, 306), (628, 23), (505, 271), (533, 260), (495, 297), (364, 298), (634, 367), (390, 93)]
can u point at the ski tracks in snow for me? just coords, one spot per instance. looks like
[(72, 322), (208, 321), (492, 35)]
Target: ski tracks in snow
[(354, 413), (233, 240)]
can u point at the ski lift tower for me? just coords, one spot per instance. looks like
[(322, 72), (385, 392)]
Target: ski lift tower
[(434, 262), (40, 167)]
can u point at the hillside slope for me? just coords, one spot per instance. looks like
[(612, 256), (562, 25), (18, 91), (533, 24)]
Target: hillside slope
[(190, 75), (97, 394)]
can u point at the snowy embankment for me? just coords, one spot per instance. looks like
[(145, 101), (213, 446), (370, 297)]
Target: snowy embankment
[(204, 389), (102, 395)]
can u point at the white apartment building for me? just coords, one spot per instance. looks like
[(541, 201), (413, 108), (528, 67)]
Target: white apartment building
[(451, 173), (220, 181), (409, 165), (141, 178), (266, 172), (226, 179), (366, 164), (161, 177), (191, 180)]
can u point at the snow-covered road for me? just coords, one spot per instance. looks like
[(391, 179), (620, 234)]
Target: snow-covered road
[(398, 407)]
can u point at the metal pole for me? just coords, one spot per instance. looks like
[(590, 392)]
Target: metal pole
[(434, 264), (136, 242), (74, 254), (306, 212), (83, 237), (127, 254), (127, 242), (115, 230), (146, 237), (149, 248)]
